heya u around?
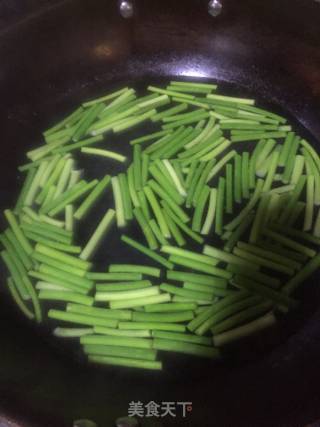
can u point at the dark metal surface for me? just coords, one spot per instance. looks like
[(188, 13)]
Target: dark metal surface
[(54, 59)]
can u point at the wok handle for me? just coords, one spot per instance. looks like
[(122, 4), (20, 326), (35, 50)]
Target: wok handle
[(126, 8)]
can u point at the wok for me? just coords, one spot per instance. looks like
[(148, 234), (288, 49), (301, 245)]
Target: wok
[(60, 53)]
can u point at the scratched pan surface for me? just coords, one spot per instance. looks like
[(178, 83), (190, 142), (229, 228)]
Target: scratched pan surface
[(73, 51)]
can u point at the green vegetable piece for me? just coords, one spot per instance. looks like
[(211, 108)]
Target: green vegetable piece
[(92, 198), (98, 235), (237, 178), (161, 260), (187, 348), (220, 206)]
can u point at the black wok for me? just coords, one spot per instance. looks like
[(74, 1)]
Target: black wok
[(67, 51)]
